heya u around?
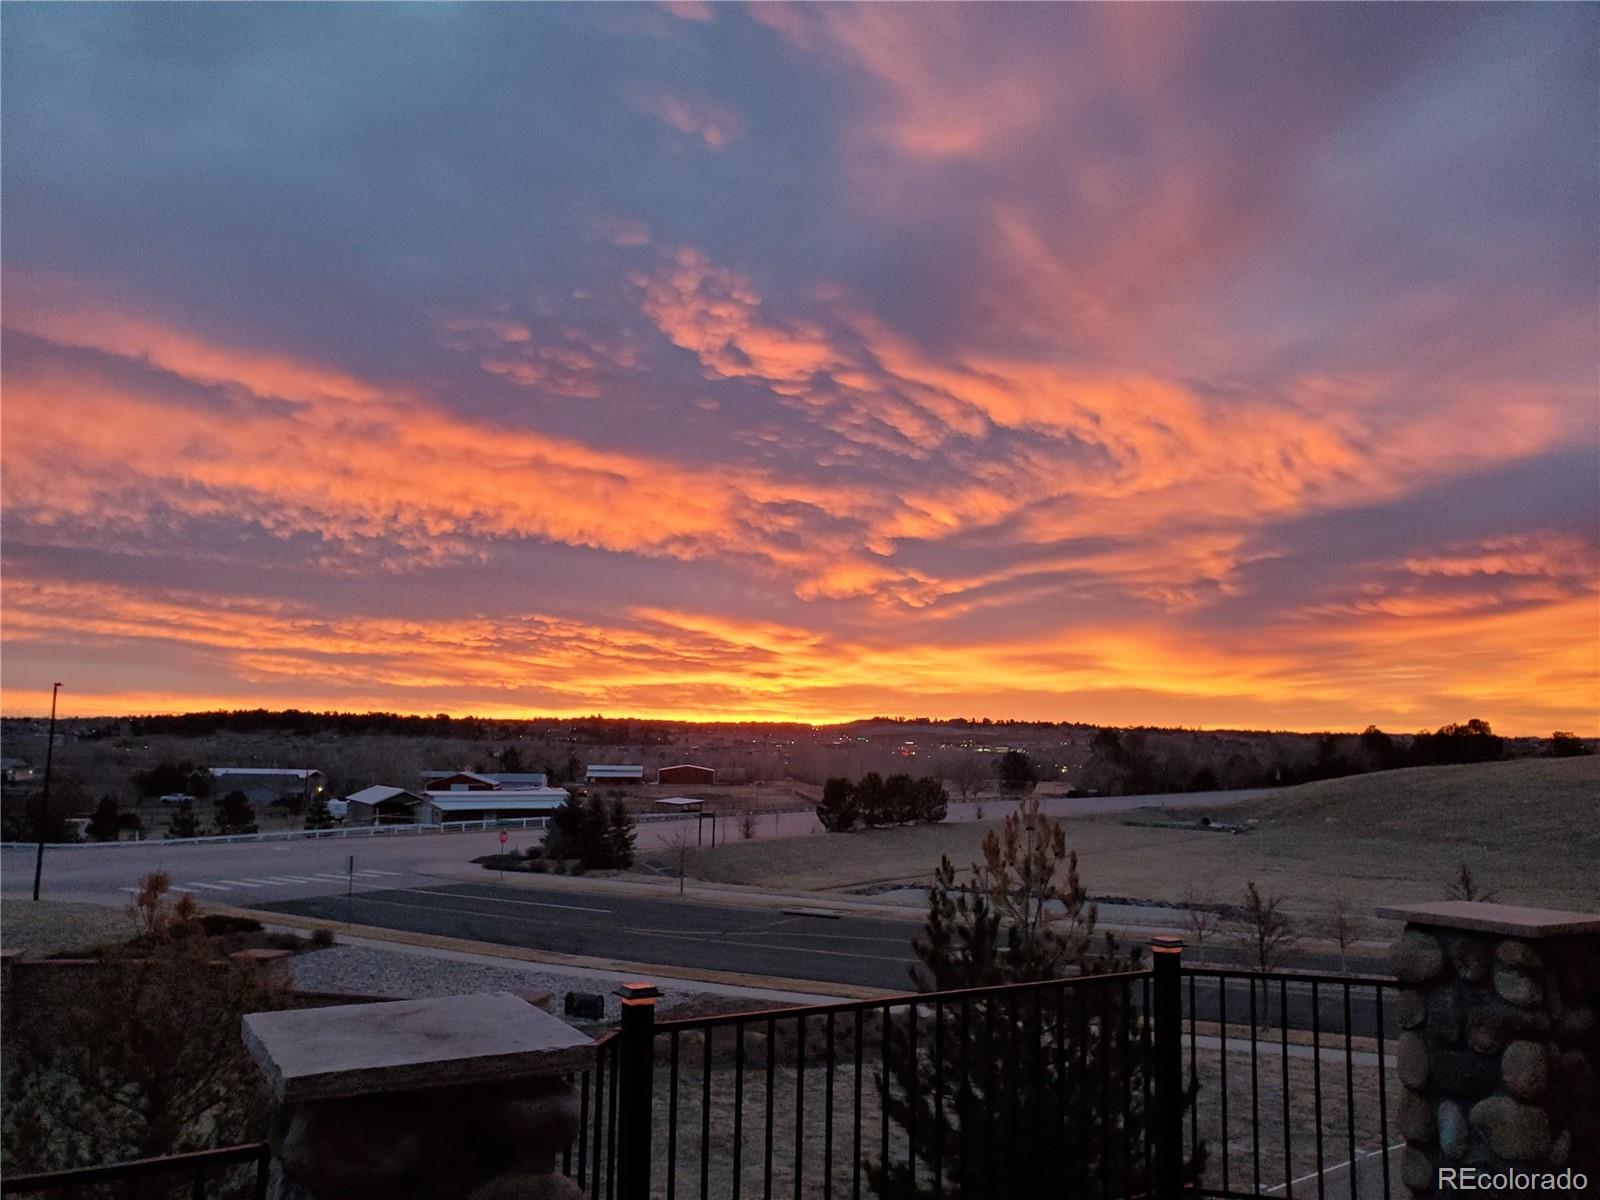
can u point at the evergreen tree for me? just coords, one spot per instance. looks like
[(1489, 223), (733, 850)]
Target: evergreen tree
[(620, 836), (184, 824), (234, 814), (1024, 1074), (317, 814), (838, 809), (105, 823)]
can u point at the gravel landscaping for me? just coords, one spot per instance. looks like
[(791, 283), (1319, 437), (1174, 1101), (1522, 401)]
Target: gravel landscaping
[(366, 971)]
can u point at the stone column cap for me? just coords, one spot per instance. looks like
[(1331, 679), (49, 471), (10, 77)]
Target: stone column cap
[(1508, 920), (408, 1045)]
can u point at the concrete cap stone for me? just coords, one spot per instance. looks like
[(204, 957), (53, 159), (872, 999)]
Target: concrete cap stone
[(409, 1045), (1508, 920)]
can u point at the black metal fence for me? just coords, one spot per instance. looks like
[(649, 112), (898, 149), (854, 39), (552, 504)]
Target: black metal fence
[(228, 1174), (1145, 1083), (1296, 1083)]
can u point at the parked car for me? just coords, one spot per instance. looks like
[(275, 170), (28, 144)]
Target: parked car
[(177, 798)]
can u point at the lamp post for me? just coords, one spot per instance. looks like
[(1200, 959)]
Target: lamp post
[(44, 793)]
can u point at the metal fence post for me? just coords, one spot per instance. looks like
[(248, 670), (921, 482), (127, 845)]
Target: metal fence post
[(1166, 1117), (636, 1043)]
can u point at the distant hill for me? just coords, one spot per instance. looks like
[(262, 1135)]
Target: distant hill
[(1530, 829)]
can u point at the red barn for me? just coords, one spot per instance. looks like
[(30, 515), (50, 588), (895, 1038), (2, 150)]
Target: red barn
[(686, 773)]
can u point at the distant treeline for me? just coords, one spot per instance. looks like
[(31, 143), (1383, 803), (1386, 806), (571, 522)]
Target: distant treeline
[(1133, 763), (599, 730)]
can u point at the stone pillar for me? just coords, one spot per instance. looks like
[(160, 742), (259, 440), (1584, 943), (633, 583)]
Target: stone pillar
[(456, 1098), (1500, 1049)]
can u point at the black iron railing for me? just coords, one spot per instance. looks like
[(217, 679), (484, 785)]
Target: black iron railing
[(1296, 1083), (234, 1172), (982, 1092), (1152, 1083)]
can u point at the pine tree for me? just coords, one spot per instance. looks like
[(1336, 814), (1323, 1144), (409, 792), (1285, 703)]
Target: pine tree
[(234, 814), (1024, 1073), (103, 826), (620, 837), (184, 824), (317, 814)]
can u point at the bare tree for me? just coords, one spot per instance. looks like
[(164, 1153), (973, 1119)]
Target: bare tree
[(1264, 931), (1464, 887), (967, 774), (747, 822), (1200, 915), (678, 848), (1346, 925)]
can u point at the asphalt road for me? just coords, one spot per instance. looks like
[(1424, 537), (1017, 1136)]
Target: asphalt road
[(853, 950), (850, 949)]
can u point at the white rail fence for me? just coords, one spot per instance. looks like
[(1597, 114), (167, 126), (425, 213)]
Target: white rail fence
[(298, 835)]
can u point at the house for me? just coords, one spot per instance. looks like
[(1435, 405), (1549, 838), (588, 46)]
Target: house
[(461, 781), (613, 773), (381, 805), (686, 773), (681, 804), (458, 781), (491, 804), (268, 785)]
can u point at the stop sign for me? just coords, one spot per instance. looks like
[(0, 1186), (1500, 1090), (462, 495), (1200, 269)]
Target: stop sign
[(503, 837)]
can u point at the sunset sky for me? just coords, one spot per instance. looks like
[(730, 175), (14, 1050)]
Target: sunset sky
[(1206, 365)]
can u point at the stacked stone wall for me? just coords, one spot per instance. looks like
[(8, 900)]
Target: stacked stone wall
[(1500, 1053)]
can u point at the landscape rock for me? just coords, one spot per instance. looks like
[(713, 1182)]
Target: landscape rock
[(1418, 958), (1519, 955), (1518, 988), (1561, 1148), (1491, 1026), (1445, 1015), (1524, 1068), (1413, 1008), (1519, 1132), (1454, 1132), (1416, 1117), (1412, 1055), (1470, 956), (1416, 1171)]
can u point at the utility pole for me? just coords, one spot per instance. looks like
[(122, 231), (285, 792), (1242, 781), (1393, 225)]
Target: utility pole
[(44, 793)]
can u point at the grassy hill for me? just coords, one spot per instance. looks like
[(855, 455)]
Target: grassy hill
[(1529, 829)]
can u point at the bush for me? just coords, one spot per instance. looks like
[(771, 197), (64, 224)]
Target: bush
[(838, 810), (587, 832), (321, 939), (875, 802)]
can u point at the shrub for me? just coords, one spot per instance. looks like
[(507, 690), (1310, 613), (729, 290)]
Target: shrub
[(838, 810), (321, 939)]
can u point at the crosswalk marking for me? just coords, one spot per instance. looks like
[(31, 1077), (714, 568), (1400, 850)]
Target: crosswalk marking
[(265, 882), (212, 887), (376, 872), (330, 875), (238, 882)]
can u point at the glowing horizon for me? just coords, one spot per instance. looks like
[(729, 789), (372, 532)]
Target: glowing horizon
[(1201, 367)]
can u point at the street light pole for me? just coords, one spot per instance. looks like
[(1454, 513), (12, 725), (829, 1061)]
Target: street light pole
[(44, 794)]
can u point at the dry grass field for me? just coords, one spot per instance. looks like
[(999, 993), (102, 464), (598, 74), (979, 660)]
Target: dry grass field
[(1528, 829)]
